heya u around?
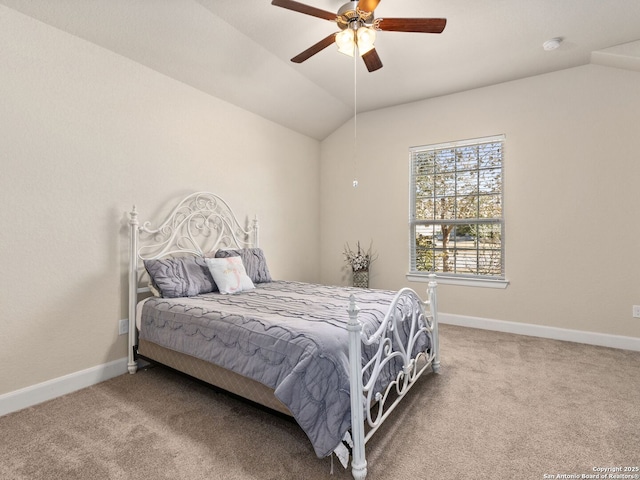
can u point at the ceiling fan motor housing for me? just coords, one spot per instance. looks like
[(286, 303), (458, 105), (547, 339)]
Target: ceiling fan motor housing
[(350, 17)]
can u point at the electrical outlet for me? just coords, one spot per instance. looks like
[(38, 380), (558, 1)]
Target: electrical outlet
[(123, 326), (636, 311)]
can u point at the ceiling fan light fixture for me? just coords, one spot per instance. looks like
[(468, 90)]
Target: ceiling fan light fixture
[(357, 23), (346, 42), (366, 38)]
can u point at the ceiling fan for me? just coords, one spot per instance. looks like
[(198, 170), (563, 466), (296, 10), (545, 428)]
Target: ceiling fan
[(358, 27)]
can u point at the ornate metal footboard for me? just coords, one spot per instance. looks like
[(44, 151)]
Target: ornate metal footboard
[(408, 321)]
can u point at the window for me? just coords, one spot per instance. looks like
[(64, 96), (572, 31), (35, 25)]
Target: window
[(457, 227)]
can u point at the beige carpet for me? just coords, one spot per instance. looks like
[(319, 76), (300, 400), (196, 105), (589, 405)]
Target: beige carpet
[(504, 407)]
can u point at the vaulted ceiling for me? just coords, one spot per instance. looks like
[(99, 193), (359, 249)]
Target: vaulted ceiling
[(239, 50)]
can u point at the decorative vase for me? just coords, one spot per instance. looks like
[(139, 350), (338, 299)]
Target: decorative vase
[(361, 279)]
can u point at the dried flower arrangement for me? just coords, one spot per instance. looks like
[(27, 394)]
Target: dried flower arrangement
[(359, 260)]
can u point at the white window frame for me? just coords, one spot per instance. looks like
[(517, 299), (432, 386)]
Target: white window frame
[(490, 281)]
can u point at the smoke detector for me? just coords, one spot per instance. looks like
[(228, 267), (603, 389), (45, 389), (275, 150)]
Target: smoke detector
[(552, 44)]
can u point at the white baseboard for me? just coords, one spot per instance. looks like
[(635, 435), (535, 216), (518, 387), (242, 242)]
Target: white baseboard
[(26, 397), (29, 396), (578, 336)]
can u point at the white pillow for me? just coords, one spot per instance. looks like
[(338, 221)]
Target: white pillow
[(229, 274)]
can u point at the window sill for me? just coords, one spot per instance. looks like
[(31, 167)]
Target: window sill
[(462, 281)]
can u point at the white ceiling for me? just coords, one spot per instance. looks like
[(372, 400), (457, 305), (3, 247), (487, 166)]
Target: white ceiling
[(239, 50)]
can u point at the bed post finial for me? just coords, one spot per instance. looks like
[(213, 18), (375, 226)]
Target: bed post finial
[(358, 461)]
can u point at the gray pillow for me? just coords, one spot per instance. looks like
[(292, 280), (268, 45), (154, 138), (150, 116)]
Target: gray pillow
[(180, 276), (254, 262)]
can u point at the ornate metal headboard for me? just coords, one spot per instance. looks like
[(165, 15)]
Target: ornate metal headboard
[(200, 224)]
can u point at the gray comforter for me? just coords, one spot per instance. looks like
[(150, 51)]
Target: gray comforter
[(289, 336)]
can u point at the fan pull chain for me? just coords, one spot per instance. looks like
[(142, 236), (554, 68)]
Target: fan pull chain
[(355, 121)]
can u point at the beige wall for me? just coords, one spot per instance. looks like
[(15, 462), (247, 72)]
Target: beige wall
[(572, 195), (84, 135)]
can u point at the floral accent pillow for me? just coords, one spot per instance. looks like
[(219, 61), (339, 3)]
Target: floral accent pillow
[(229, 274), (253, 260)]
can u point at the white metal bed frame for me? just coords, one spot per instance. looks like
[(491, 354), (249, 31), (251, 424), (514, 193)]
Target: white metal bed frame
[(203, 222)]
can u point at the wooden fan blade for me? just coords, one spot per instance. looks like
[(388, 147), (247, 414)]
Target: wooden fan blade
[(311, 51), (418, 25), (372, 60), (368, 5), (306, 9)]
